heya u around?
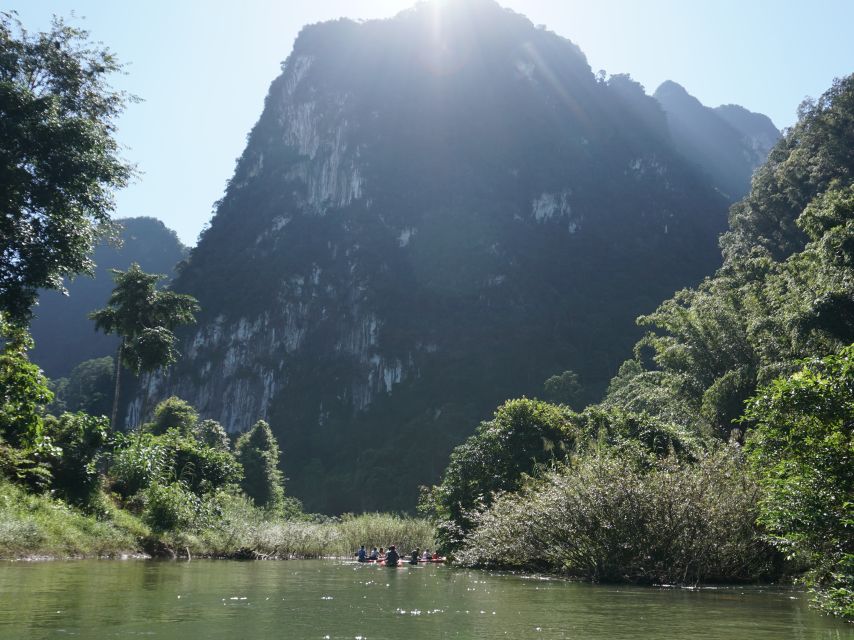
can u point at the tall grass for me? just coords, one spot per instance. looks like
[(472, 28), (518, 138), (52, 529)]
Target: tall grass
[(247, 529), (37, 525), (382, 529)]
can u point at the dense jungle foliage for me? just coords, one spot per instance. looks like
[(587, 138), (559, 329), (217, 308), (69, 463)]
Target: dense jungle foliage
[(738, 462)]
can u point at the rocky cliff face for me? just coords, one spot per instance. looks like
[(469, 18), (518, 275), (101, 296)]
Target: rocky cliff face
[(727, 142), (433, 213), (759, 134)]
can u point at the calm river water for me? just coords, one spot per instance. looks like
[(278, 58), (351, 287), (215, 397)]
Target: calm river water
[(333, 599)]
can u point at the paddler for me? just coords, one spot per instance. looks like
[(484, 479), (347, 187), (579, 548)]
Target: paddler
[(362, 554), (392, 557), (413, 557)]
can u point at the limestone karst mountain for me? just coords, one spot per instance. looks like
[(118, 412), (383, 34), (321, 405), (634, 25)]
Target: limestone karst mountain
[(433, 213), (728, 142)]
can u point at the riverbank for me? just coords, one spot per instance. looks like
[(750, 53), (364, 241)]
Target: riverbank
[(40, 527)]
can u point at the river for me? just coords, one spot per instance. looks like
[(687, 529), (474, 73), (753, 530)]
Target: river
[(335, 599)]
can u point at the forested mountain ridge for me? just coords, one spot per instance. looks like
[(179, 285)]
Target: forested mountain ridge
[(63, 333), (784, 291), (433, 213), (728, 142)]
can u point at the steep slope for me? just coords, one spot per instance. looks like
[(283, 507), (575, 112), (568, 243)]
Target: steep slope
[(433, 213), (756, 128), (728, 142), (63, 333)]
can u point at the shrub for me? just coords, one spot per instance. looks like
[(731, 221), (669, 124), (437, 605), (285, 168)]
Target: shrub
[(78, 441), (138, 461), (200, 468), (610, 519), (143, 459), (172, 507), (526, 437), (25, 467)]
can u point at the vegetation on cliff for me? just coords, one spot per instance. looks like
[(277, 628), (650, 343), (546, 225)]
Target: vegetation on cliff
[(750, 375)]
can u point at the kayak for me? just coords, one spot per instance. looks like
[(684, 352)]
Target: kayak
[(378, 563), (381, 563)]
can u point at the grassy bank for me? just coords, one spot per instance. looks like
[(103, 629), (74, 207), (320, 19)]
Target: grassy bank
[(37, 525), (40, 526)]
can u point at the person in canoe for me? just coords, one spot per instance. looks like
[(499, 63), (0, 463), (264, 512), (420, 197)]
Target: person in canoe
[(426, 555), (375, 555), (362, 554), (392, 557), (413, 557)]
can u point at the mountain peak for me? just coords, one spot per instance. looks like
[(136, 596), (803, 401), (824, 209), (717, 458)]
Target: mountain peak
[(727, 142), (430, 215)]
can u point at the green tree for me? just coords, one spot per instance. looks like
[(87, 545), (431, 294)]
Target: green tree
[(803, 450), (522, 434), (173, 413), (144, 317), (812, 154), (23, 388), (88, 388), (212, 434), (258, 452), (563, 389), (59, 162)]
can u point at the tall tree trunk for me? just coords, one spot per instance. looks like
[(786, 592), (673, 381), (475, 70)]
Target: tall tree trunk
[(118, 385)]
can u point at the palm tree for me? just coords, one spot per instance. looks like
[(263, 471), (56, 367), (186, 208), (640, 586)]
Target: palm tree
[(144, 317)]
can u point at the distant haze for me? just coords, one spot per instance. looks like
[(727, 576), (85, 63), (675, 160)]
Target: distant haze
[(203, 69)]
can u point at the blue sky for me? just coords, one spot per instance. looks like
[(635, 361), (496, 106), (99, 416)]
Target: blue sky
[(203, 68)]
